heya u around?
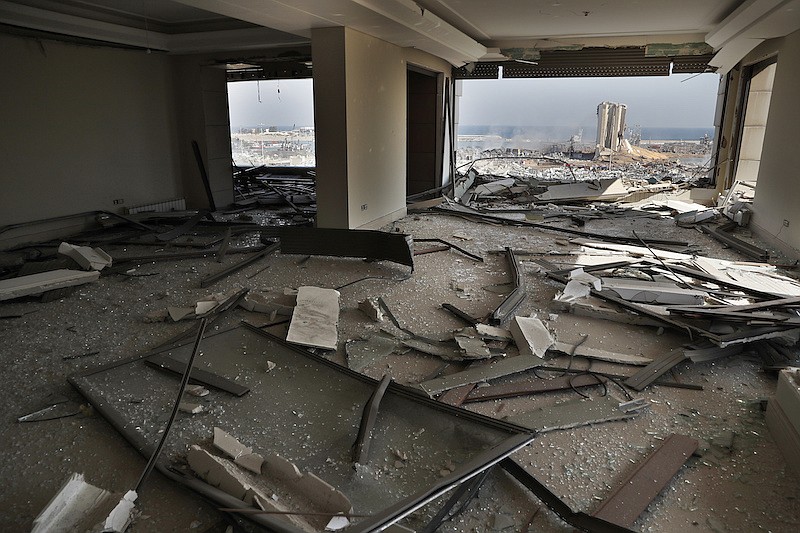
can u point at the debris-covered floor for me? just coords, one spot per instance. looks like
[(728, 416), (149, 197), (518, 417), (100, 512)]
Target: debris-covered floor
[(736, 480)]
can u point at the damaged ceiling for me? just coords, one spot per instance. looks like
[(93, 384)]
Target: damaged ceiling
[(461, 32)]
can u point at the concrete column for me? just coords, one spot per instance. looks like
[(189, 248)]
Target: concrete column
[(330, 126), (360, 128)]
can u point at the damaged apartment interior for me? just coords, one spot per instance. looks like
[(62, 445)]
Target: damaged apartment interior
[(413, 330)]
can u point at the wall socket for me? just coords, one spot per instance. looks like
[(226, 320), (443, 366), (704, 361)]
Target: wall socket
[(785, 223), (363, 207), (119, 201)]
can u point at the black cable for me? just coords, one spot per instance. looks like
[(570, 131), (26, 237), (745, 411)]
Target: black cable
[(572, 355), (618, 384), (368, 278), (184, 381), (588, 373), (572, 386)]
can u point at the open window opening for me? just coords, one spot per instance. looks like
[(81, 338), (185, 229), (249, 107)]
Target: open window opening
[(273, 145), (272, 123), (654, 127)]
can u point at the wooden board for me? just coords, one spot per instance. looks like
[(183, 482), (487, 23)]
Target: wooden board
[(625, 503)]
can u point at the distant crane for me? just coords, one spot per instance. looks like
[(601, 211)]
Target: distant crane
[(636, 135)]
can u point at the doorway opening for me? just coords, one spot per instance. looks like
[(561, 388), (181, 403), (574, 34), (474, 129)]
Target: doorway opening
[(425, 131)]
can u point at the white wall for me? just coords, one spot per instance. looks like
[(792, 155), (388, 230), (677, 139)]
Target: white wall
[(778, 190), (360, 106), (82, 126), (376, 129)]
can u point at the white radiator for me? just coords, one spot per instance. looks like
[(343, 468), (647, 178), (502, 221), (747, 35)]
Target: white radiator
[(178, 204)]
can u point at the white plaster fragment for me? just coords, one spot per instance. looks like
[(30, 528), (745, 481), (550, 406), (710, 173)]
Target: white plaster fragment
[(315, 318), (531, 336), (43, 282), (88, 258)]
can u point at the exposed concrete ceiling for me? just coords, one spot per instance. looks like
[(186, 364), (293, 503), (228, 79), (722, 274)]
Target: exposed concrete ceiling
[(460, 31)]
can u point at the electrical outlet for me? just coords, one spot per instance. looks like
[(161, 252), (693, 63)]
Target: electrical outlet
[(363, 207), (119, 201), (785, 223)]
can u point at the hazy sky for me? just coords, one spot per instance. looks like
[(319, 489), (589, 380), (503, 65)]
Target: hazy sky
[(283, 103), (678, 101)]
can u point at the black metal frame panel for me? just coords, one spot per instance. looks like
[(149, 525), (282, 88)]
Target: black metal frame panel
[(406, 409)]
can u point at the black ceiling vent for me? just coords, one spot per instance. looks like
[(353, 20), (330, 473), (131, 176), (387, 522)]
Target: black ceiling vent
[(589, 62)]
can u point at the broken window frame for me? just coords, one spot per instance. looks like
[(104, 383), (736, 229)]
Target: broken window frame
[(518, 438), (743, 96)]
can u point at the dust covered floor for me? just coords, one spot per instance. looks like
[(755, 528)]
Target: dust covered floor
[(743, 486)]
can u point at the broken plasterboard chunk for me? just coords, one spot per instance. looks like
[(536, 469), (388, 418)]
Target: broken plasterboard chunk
[(44, 281), (476, 374), (695, 217), (88, 258), (191, 408), (337, 523), (80, 506), (494, 187), (471, 344), (223, 474), (275, 467), (493, 332), (120, 516), (574, 290), (362, 353), (604, 189), (448, 351), (587, 279), (180, 313), (315, 318), (241, 454), (635, 290), (319, 492), (259, 303), (197, 390), (531, 336), (601, 355), (203, 307), (371, 308), (228, 444)]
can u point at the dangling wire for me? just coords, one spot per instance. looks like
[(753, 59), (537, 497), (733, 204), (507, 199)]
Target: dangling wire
[(146, 27), (258, 88)]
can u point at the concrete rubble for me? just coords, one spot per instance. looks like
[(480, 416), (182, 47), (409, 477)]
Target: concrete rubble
[(588, 309)]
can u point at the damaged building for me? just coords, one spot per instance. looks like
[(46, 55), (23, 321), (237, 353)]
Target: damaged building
[(393, 340), (610, 125)]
